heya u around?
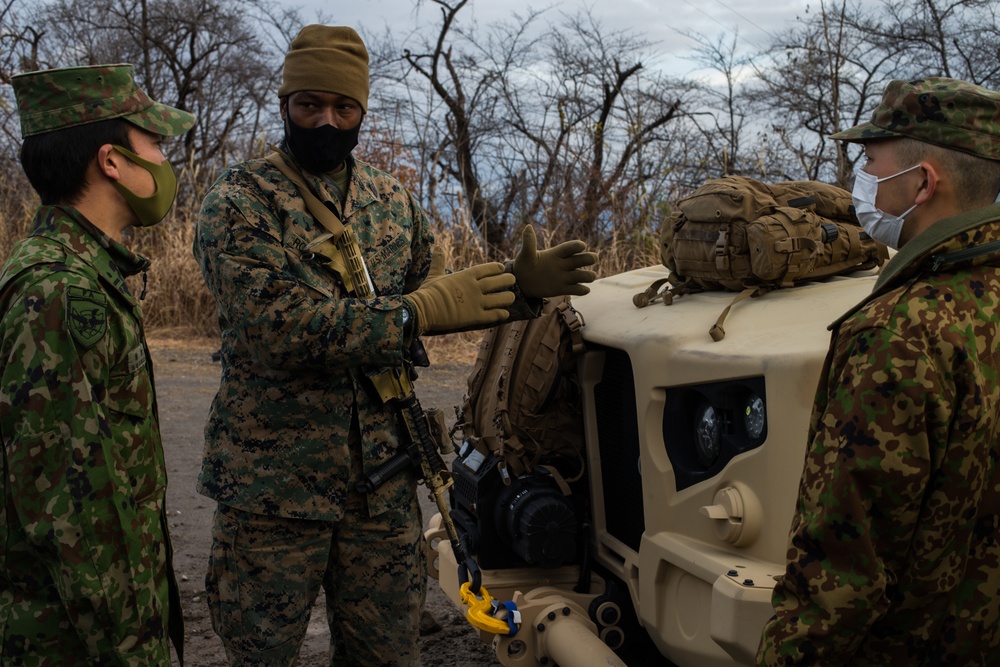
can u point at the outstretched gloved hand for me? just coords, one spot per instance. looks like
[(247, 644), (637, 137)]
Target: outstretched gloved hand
[(553, 272), (474, 297)]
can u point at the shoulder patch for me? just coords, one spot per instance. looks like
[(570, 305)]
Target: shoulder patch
[(87, 315)]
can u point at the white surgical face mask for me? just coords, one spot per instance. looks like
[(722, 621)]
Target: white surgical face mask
[(881, 226)]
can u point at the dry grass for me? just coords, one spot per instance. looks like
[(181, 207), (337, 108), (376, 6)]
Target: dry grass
[(176, 296), (17, 205)]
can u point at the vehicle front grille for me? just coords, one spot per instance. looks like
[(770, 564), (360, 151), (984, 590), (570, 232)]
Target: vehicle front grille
[(618, 437)]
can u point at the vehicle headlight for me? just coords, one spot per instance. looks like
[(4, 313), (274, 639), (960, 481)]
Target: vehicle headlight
[(706, 425), (754, 416), (707, 434)]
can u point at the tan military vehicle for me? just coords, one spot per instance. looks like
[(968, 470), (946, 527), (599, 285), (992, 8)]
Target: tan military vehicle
[(666, 549)]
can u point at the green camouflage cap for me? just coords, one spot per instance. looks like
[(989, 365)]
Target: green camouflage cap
[(55, 99), (947, 112)]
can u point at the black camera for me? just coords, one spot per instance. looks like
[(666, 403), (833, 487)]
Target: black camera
[(529, 521)]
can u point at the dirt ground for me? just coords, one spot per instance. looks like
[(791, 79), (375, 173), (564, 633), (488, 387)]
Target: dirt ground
[(186, 381)]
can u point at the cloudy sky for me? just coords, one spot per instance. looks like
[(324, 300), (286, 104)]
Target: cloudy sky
[(658, 20)]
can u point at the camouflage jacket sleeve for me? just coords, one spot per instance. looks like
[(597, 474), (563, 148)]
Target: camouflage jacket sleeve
[(75, 486)]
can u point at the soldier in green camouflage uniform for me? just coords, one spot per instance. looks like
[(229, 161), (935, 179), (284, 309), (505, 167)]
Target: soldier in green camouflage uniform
[(894, 552), (295, 426), (85, 572)]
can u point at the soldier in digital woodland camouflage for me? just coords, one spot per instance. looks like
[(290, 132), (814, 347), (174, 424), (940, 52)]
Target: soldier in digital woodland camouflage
[(894, 551), (86, 574), (295, 426)]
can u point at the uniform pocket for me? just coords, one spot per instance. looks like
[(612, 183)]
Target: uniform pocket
[(264, 575), (130, 390)]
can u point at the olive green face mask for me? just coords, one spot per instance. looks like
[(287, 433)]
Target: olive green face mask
[(150, 210)]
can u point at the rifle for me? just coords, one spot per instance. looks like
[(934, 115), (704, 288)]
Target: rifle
[(394, 386)]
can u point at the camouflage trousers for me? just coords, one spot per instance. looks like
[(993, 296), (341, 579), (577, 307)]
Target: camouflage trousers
[(265, 573)]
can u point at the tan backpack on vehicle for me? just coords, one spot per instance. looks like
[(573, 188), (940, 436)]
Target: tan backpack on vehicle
[(523, 400), (737, 233)]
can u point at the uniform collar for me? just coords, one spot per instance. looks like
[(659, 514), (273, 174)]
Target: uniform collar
[(70, 228)]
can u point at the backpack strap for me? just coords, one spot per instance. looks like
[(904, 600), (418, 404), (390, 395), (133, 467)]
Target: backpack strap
[(511, 445), (649, 295), (478, 436), (717, 332), (501, 416), (573, 321), (479, 375), (516, 409), (676, 288), (558, 479)]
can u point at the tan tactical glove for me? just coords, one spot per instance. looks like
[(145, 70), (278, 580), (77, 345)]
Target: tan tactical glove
[(555, 271), (471, 298)]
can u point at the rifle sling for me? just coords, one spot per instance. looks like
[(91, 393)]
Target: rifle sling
[(317, 208)]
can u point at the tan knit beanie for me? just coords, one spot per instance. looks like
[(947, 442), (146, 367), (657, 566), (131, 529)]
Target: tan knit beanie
[(331, 59)]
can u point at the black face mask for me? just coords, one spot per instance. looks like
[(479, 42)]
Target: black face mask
[(320, 149)]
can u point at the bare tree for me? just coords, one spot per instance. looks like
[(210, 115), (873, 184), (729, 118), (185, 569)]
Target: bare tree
[(465, 84), (19, 43), (564, 125), (722, 122), (556, 127), (624, 113), (956, 38), (829, 72), (818, 79)]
